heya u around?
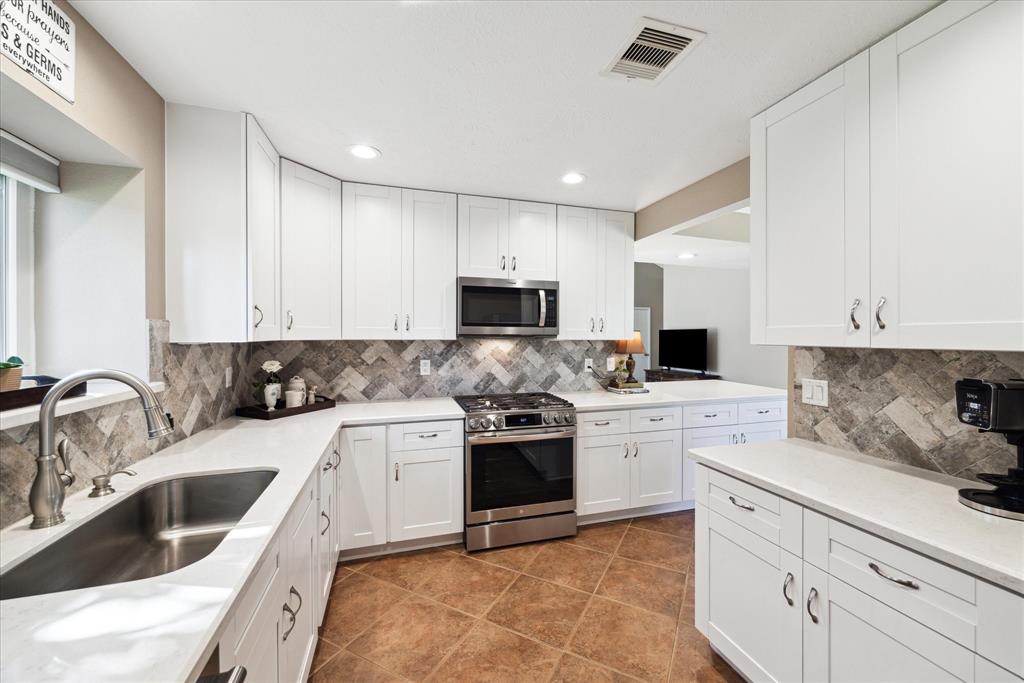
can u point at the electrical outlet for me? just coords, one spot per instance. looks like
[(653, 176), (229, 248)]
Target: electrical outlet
[(588, 364), (610, 364), (425, 366), (227, 377), (815, 392)]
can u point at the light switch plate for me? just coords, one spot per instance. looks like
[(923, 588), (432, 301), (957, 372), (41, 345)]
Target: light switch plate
[(588, 364), (425, 366), (815, 392), (610, 363)]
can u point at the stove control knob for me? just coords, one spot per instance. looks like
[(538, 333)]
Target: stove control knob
[(547, 418), (966, 417), (499, 422), (558, 418), (485, 422), (473, 423), (570, 418)]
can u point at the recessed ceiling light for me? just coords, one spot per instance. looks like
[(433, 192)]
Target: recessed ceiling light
[(573, 178), (364, 151), (745, 209), (686, 255)]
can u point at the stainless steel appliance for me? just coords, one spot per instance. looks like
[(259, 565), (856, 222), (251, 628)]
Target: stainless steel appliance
[(520, 468), (507, 307), (995, 406)]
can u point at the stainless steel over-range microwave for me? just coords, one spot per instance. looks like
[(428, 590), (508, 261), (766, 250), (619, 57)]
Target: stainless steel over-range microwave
[(496, 307)]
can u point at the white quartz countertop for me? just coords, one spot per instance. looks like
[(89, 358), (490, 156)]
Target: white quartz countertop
[(907, 505), (672, 393), (164, 628)]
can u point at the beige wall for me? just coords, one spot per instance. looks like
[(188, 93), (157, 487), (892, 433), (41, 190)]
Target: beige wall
[(720, 189), (649, 290), (114, 103)]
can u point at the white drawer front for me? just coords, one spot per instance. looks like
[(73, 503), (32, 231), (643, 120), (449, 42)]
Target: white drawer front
[(762, 411), (602, 423), (709, 415), (418, 436), (655, 419), (930, 592), (773, 518), (260, 589)]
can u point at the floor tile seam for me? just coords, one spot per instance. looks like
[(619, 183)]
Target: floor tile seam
[(555, 583), (325, 662), (675, 641), (604, 665), (590, 600), (649, 564), (488, 563), (663, 533), (379, 666), (373, 623), (455, 648), (500, 596)]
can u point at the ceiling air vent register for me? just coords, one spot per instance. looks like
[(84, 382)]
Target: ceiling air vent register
[(654, 50)]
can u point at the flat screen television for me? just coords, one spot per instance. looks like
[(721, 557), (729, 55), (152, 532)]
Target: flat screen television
[(683, 349)]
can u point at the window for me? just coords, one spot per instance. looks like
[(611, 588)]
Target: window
[(17, 284)]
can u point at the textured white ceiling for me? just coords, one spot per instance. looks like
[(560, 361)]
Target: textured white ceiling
[(492, 97)]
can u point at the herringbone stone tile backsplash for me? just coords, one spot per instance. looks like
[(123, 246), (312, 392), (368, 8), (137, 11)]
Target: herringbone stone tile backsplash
[(899, 405), (380, 370)]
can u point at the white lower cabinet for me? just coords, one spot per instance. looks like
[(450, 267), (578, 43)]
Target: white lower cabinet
[(299, 607), (854, 608), (327, 537), (656, 472), (424, 493), (363, 474), (726, 435), (629, 470)]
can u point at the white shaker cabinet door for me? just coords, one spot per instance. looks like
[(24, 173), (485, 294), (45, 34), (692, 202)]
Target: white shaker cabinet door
[(299, 627), (371, 250), (263, 230), (483, 237), (603, 465), (615, 230), (425, 493), (947, 180), (577, 273), (702, 437), (429, 268), (310, 253), (656, 468), (532, 241), (809, 212), (363, 490)]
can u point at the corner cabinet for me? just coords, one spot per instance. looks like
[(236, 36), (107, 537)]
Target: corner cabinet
[(595, 273), (399, 263), (223, 230), (506, 239), (787, 594), (864, 231)]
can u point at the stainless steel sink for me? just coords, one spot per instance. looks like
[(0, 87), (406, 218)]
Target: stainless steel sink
[(156, 530)]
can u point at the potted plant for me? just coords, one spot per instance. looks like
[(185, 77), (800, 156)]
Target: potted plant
[(10, 373)]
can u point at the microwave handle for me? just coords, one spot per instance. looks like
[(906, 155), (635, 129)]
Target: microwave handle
[(543, 307)]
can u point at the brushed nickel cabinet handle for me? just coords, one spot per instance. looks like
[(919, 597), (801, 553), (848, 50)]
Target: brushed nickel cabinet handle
[(743, 438), (291, 614), (785, 587), (291, 320), (903, 582), (878, 313), (710, 415), (656, 419), (748, 508), (396, 322), (503, 263), (763, 412), (734, 439), (396, 471), (513, 264), (406, 322), (327, 465), (591, 324), (258, 310), (602, 324), (429, 436), (853, 316), (625, 450), (636, 449), (324, 515), (602, 424), (810, 598)]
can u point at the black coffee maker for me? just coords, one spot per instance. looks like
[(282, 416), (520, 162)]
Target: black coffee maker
[(993, 406)]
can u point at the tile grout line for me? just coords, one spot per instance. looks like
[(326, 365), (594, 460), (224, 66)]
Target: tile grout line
[(679, 616)]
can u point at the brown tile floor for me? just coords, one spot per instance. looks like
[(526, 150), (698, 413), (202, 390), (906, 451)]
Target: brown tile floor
[(615, 603)]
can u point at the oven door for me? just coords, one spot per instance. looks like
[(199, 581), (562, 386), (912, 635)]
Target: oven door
[(507, 307), (524, 474)]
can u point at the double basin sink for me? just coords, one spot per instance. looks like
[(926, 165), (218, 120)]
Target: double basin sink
[(156, 530)]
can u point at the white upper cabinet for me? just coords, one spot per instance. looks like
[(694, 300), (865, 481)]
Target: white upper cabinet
[(595, 273), (371, 249), (223, 237), (483, 237), (310, 253), (887, 197), (615, 234), (577, 273), (429, 265), (399, 267), (947, 180), (809, 201), (509, 240), (532, 241)]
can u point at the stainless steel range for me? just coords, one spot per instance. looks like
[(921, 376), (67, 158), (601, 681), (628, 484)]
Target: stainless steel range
[(520, 468)]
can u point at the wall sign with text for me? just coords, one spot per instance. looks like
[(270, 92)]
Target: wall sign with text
[(40, 38)]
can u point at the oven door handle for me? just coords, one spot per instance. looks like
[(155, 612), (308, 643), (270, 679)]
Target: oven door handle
[(484, 439)]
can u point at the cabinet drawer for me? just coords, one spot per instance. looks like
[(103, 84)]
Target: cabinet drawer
[(262, 588), (418, 436), (773, 518), (932, 593), (762, 411), (1001, 627), (603, 423), (656, 419), (709, 415)]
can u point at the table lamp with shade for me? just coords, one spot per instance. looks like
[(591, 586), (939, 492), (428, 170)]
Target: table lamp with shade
[(630, 346)]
